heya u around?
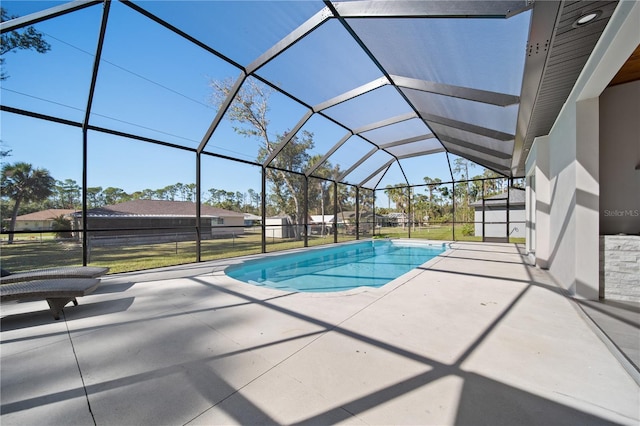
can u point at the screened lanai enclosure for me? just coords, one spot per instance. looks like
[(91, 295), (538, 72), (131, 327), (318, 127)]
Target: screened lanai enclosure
[(138, 134)]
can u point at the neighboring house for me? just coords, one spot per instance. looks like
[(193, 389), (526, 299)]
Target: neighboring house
[(348, 218), (251, 219), (282, 226), (398, 219), (149, 221), (346, 221), (40, 221), (495, 216)]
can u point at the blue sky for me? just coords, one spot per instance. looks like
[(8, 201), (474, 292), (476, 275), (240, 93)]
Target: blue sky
[(155, 84)]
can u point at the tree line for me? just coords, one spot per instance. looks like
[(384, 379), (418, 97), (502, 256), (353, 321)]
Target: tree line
[(436, 202), (26, 189), (67, 194)]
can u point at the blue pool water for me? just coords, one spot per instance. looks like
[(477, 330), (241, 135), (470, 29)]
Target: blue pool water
[(369, 264)]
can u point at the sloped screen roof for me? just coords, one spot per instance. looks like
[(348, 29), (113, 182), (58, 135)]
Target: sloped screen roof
[(381, 86)]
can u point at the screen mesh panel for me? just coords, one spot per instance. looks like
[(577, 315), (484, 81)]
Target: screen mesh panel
[(430, 145), (422, 49), (322, 65), (53, 83), (240, 30), (348, 154), (372, 107), (239, 138), (137, 93), (501, 118), (398, 131), (369, 167)]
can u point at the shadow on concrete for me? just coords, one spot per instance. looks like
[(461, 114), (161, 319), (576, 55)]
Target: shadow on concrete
[(482, 400), (70, 312)]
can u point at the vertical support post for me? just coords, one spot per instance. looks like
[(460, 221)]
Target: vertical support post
[(542, 173), (409, 219), (587, 199), (85, 237), (508, 209), (263, 207), (198, 207), (484, 232), (85, 126), (373, 208), (530, 207), (305, 212), (453, 211), (357, 213), (335, 211)]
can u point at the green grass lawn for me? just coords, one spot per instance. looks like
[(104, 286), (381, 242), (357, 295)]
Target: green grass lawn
[(31, 251), (28, 253)]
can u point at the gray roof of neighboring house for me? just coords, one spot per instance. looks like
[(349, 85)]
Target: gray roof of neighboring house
[(396, 215), (157, 208), (352, 213), (516, 198)]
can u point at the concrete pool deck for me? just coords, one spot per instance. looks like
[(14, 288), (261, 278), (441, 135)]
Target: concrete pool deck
[(478, 337)]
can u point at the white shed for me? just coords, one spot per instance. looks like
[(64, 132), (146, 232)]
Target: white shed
[(279, 227), (495, 215)]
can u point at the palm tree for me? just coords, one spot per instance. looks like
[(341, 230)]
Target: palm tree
[(433, 185), (21, 182), (398, 195)]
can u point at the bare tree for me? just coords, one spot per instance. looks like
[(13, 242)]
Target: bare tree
[(249, 114)]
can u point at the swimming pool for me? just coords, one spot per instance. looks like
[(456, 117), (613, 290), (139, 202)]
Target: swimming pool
[(365, 264)]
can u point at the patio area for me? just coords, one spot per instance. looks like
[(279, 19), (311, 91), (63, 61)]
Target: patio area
[(478, 336)]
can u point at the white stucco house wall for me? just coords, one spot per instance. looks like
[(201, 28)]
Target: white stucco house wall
[(583, 177), (40, 221)]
